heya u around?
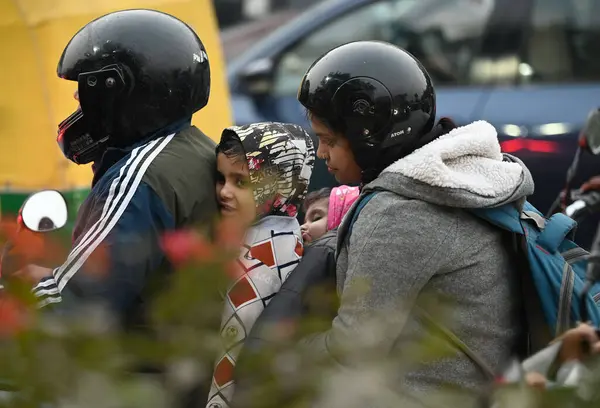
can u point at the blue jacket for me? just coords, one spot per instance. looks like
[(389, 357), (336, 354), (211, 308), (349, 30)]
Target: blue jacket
[(137, 194)]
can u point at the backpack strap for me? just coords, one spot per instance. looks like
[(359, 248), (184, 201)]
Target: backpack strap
[(361, 204), (505, 217), (557, 228), (452, 338), (537, 334), (345, 230), (534, 334)]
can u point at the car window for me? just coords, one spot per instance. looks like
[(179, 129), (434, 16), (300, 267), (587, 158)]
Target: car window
[(562, 44), (443, 34)]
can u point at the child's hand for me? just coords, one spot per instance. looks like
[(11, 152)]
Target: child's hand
[(536, 380), (578, 343), (591, 184), (33, 273)]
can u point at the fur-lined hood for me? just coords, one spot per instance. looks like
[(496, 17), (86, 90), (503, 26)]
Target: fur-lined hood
[(464, 168)]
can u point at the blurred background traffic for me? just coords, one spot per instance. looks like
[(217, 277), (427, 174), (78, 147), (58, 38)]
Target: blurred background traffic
[(529, 67)]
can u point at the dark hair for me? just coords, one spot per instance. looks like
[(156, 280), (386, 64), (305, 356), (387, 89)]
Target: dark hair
[(315, 196), (335, 126), (231, 146)]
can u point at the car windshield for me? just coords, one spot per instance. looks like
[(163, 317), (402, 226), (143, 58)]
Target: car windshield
[(442, 34), (269, 43)]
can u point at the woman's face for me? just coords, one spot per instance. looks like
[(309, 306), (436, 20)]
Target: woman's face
[(335, 150), (234, 193), (315, 221)]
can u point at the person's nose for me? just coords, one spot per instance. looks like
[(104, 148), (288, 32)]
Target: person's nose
[(226, 194), (322, 151)]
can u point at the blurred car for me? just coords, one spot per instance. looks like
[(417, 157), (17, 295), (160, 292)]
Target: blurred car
[(529, 67), (237, 39), (234, 12)]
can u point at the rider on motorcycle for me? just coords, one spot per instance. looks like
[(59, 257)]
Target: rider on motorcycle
[(373, 107), (141, 74)]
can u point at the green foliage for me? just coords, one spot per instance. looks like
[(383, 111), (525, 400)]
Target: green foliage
[(85, 360)]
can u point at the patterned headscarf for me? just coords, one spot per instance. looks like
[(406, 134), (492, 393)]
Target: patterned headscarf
[(280, 158)]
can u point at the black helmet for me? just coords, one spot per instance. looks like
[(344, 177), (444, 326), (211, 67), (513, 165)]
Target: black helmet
[(138, 71), (378, 95)]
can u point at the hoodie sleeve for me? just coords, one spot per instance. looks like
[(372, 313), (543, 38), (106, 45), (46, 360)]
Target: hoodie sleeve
[(113, 255), (315, 271), (395, 248)]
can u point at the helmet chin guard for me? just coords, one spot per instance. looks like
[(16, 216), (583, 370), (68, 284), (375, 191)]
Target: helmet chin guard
[(85, 134), (76, 142)]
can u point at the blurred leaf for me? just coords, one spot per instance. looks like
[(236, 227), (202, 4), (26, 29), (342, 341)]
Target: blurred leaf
[(83, 361)]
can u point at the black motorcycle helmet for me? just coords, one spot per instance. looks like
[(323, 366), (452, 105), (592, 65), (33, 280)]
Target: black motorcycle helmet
[(375, 94), (137, 71)]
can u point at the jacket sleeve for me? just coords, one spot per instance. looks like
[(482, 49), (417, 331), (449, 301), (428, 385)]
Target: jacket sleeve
[(290, 304), (114, 255), (395, 248)]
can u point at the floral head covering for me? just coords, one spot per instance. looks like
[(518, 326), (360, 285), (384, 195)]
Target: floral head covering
[(340, 201), (280, 158)]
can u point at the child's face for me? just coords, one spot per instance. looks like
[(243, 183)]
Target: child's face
[(234, 193), (315, 221)]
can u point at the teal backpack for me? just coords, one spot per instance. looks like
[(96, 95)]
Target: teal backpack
[(551, 263)]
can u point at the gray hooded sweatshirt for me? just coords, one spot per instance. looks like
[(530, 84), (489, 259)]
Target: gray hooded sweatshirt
[(412, 238)]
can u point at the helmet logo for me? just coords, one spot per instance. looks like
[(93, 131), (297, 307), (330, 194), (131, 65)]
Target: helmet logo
[(401, 132), (200, 58), (361, 106)]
